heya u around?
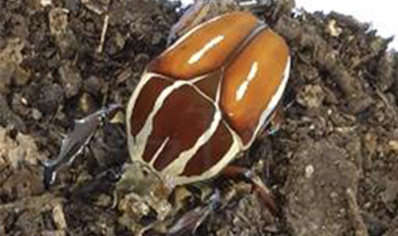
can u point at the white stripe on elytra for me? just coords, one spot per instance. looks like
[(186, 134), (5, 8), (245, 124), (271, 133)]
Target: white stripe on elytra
[(272, 104), (203, 77), (160, 149), (232, 153), (137, 150), (218, 93), (202, 51), (240, 93), (178, 165), (217, 102), (144, 80)]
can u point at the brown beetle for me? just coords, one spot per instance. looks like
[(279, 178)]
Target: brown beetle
[(204, 101), (200, 104)]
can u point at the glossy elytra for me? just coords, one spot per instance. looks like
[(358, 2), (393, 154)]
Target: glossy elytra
[(207, 98)]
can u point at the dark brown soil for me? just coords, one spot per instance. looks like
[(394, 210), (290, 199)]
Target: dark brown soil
[(333, 166)]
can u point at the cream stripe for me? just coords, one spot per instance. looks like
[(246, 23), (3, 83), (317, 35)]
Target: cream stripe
[(240, 93), (144, 80), (133, 99), (206, 48), (160, 149), (178, 165), (137, 150), (203, 77), (232, 153), (264, 118)]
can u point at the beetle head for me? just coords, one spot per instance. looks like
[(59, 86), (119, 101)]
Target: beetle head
[(142, 180), (153, 190)]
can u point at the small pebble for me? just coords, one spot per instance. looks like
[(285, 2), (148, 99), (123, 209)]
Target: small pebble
[(309, 171), (393, 145), (36, 114), (311, 96)]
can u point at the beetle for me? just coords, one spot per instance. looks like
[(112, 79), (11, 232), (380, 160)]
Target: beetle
[(198, 106), (203, 101)]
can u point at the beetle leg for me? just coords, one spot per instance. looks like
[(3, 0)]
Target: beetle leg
[(259, 187), (91, 151), (199, 12), (75, 141), (186, 21), (102, 181), (191, 220)]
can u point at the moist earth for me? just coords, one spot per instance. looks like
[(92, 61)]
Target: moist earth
[(332, 167)]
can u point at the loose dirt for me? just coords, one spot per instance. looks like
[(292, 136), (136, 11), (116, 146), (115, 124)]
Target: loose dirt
[(333, 165)]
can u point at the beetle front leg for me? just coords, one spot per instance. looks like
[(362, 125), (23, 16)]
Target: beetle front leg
[(259, 187), (76, 141), (186, 21)]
